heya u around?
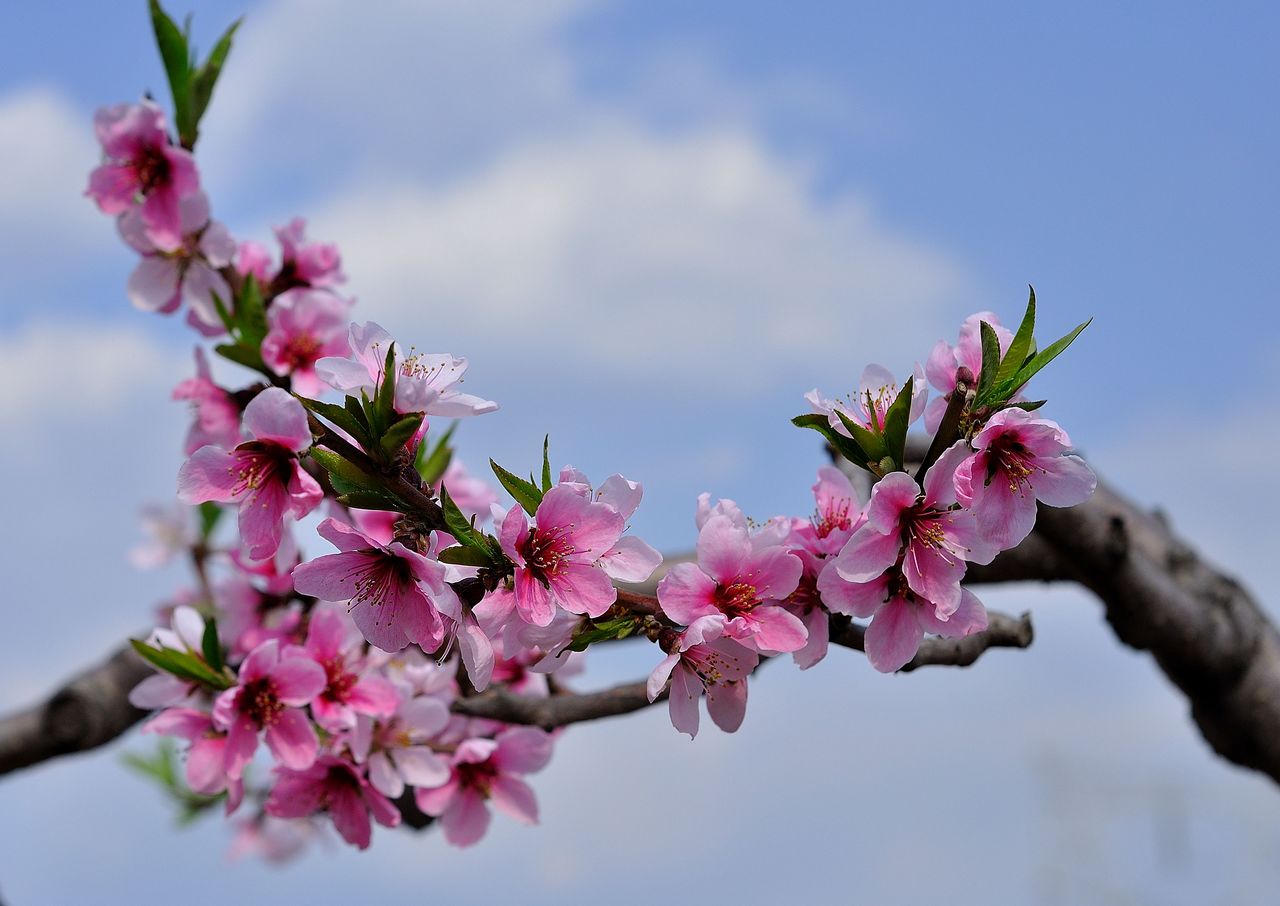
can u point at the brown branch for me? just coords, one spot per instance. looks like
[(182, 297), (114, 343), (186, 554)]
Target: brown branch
[(1002, 632), (556, 710), (89, 711)]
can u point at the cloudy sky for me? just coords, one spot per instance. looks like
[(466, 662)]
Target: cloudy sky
[(652, 227)]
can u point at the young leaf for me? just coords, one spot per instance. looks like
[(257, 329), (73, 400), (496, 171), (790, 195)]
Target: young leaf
[(546, 463), (846, 447), (593, 632), (341, 469), (463, 555), (244, 355), (399, 434), (177, 64), (461, 528), (385, 397), (1042, 358), (209, 513), (210, 647), (990, 359), (1021, 344), (526, 493), (251, 313), (181, 664), (340, 416), (432, 466), (870, 443), (895, 423), (205, 78), (1028, 406)]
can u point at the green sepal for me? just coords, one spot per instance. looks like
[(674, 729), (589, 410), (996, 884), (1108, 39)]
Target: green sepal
[(399, 434), (606, 630), (183, 665), (896, 418), (846, 447), (432, 466), (1020, 346), (211, 647), (526, 493)]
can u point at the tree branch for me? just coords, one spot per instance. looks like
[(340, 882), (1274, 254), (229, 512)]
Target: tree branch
[(1002, 632), (556, 710)]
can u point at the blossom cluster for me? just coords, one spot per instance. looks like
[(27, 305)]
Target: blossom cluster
[(333, 683)]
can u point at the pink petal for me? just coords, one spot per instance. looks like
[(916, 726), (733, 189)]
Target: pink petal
[(533, 599), (292, 740), (682, 702), (350, 817), (1066, 481), (522, 750), (867, 554), (583, 588), (857, 599), (631, 560), (274, 415), (209, 475), (466, 820), (514, 798), (661, 673), (894, 636), (777, 630), (298, 680), (815, 648), (727, 704), (419, 766), (723, 547), (686, 593)]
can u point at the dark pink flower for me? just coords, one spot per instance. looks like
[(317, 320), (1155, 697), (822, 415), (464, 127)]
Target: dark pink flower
[(335, 643), (262, 475), (304, 326), (217, 417), (304, 262), (1019, 459), (268, 697), (557, 559), (485, 770), (142, 166), (206, 758), (702, 662), (338, 787), (740, 581), (396, 595)]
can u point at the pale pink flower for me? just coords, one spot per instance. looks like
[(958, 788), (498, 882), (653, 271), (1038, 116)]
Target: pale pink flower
[(396, 595), (275, 839), (142, 166), (398, 750), (163, 690), (171, 530), (186, 273), (249, 615), (740, 581), (253, 258), (424, 383), (877, 391), (262, 475), (630, 559), (217, 417), (924, 532), (206, 758), (899, 617), (305, 325), (945, 360), (703, 662), (486, 771), (306, 262), (557, 559), (268, 696), (837, 514), (338, 787), (334, 642), (1019, 459)]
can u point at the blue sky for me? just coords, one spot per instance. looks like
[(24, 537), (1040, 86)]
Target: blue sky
[(652, 227)]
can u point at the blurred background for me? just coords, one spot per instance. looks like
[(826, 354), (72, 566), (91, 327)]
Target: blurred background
[(652, 227)]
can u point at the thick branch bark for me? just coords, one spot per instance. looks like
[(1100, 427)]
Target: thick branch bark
[(555, 710)]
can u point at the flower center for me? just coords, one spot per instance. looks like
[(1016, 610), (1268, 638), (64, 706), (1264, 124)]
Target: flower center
[(713, 667), (259, 702), (478, 776), (340, 681), (834, 518), (258, 463), (736, 599), (377, 579), (151, 169), (545, 549), (1010, 456), (301, 352)]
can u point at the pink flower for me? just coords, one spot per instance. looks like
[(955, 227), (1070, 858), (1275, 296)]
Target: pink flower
[(630, 559), (1019, 459), (307, 263), (275, 839), (142, 164), (253, 258), (334, 643), (262, 475), (704, 663), (206, 758), (396, 595), (899, 617), (217, 417), (945, 361), (171, 531), (268, 696), (877, 390), (304, 326), (163, 690), (485, 770), (740, 581), (398, 750), (188, 272), (336, 786), (424, 383), (556, 560), (249, 616), (836, 514), (925, 533)]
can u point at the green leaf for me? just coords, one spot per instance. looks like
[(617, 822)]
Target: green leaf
[(385, 398), (251, 313), (895, 423), (546, 463), (209, 513), (461, 528), (1042, 358), (399, 434), (183, 665), (1021, 344), (846, 447), (206, 77), (243, 355), (224, 314), (342, 469), (990, 360), (177, 64), (210, 647), (871, 444), (948, 433), (526, 493), (1028, 406), (592, 632), (340, 416), (465, 555), (432, 466)]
